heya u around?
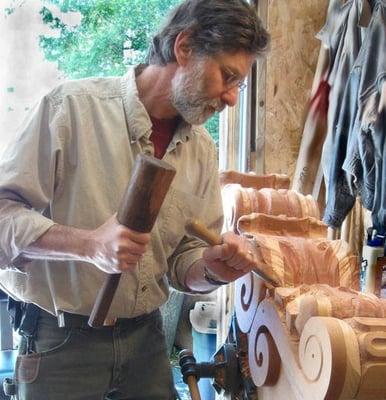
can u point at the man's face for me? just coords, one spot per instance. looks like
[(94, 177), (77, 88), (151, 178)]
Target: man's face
[(207, 85), (189, 95)]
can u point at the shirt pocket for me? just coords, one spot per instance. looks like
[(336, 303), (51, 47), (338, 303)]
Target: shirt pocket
[(180, 206)]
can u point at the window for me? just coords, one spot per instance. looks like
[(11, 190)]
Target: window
[(71, 40)]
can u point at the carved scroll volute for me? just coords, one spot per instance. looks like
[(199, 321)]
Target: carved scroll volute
[(329, 358), (327, 366), (249, 291), (264, 359)]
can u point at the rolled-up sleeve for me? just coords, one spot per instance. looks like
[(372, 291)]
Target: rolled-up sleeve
[(190, 249), (29, 173)]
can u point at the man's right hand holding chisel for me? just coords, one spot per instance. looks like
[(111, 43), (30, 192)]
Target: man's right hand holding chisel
[(229, 257)]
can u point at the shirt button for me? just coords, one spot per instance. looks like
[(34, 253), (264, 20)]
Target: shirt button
[(144, 288)]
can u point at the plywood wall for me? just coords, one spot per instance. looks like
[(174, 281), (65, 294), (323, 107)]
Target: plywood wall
[(290, 70)]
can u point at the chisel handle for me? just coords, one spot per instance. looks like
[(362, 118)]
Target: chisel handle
[(196, 228)]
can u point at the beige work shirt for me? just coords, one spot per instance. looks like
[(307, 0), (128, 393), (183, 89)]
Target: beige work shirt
[(70, 164)]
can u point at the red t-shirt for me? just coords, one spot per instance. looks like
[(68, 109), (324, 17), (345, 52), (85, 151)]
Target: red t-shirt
[(162, 134)]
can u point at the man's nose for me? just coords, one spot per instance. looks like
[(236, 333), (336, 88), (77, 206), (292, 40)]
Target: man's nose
[(229, 97)]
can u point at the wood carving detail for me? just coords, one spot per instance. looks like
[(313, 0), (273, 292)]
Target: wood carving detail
[(276, 181), (316, 337), (239, 201), (317, 365), (324, 357), (294, 256), (249, 291)]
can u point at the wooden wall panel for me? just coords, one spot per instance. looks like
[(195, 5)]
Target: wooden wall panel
[(291, 64)]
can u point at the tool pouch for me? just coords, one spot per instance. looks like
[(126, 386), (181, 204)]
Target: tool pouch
[(15, 311), (29, 320), (28, 326), (9, 387)]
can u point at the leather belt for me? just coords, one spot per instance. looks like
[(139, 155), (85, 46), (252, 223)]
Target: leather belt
[(69, 320)]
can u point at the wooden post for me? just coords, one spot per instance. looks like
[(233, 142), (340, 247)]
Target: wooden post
[(314, 133)]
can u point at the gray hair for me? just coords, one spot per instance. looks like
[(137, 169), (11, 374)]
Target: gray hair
[(213, 27)]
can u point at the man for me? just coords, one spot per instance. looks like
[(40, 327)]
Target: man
[(61, 184)]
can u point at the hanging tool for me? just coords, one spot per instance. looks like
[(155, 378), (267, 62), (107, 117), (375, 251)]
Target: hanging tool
[(138, 211), (198, 229), (224, 369), (189, 373)]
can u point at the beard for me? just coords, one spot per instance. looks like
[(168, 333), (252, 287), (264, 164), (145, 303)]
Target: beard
[(188, 95)]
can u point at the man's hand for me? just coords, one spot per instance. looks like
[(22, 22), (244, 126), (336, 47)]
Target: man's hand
[(116, 248), (111, 247), (232, 259)]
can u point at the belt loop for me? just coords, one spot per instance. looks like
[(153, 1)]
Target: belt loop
[(68, 320), (110, 321), (61, 319)]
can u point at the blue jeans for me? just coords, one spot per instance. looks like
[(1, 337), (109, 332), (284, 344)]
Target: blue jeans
[(127, 361), (342, 36), (353, 169)]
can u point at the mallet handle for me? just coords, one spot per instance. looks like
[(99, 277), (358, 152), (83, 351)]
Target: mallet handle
[(193, 388), (138, 211)]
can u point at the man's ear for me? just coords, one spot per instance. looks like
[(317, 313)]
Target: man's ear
[(182, 50)]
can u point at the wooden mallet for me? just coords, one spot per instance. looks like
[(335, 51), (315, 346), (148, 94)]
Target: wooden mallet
[(138, 211)]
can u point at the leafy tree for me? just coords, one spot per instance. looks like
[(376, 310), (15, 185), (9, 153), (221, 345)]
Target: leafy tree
[(111, 35)]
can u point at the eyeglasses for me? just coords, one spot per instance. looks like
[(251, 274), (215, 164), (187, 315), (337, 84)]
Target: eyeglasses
[(231, 79)]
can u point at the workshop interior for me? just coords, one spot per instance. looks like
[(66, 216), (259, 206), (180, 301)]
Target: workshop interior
[(301, 169)]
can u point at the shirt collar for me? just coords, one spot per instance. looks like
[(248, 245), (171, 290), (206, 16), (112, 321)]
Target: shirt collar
[(138, 120), (183, 133)]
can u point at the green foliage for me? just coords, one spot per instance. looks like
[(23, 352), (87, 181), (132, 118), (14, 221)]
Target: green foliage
[(8, 11), (212, 126), (111, 35), (13, 5)]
